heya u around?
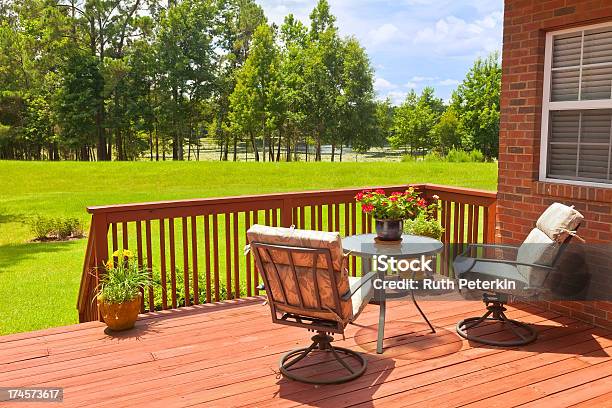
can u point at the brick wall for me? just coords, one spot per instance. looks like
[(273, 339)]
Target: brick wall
[(521, 196)]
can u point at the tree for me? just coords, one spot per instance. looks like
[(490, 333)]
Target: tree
[(185, 49), (78, 101), (413, 121), (322, 77), (476, 101), (448, 133), (356, 107), (251, 101)]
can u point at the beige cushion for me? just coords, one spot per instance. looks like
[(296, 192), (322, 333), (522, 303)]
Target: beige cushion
[(284, 283), (557, 220), (361, 297), (540, 249)]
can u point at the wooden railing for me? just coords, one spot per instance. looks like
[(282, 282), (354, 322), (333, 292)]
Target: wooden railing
[(193, 249)]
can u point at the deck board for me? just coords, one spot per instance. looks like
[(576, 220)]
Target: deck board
[(226, 355)]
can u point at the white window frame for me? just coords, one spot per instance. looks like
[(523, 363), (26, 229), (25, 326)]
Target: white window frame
[(547, 106)]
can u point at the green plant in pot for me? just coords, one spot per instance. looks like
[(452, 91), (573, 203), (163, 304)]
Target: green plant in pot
[(424, 226), (390, 211), (119, 292)]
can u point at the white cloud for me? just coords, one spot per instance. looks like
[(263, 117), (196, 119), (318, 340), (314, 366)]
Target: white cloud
[(411, 85), (397, 97), (455, 36), (381, 84), (383, 34), (449, 82), (423, 78)]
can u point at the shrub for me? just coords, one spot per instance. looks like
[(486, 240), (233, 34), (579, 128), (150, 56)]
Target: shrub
[(433, 157), (41, 226), (60, 228), (477, 156), (461, 156), (458, 156), (424, 227), (67, 227)]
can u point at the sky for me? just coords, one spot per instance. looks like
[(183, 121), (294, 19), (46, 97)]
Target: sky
[(411, 43)]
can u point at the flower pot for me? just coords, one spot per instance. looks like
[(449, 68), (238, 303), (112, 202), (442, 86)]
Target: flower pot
[(120, 316), (389, 230)]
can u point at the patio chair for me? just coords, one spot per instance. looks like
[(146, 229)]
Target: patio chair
[(529, 266), (307, 285)]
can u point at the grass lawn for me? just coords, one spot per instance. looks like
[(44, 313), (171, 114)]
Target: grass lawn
[(39, 281)]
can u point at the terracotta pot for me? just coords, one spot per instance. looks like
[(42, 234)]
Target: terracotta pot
[(389, 230), (120, 316)]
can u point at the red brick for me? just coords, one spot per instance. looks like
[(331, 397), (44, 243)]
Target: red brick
[(521, 196)]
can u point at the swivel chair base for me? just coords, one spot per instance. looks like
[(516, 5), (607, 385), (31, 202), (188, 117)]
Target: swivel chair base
[(523, 333), (321, 342)]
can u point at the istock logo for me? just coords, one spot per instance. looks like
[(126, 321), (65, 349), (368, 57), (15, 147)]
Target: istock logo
[(385, 263)]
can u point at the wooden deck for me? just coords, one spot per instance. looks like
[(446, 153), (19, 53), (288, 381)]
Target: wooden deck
[(226, 355)]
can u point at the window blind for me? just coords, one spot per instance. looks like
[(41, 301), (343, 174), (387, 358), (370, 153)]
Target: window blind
[(579, 139), (579, 145)]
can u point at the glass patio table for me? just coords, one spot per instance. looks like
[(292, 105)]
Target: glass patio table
[(410, 247)]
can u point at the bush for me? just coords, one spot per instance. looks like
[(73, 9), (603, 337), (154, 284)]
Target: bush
[(458, 156), (461, 156), (477, 156), (68, 227), (41, 227), (59, 228), (433, 157), (424, 227)]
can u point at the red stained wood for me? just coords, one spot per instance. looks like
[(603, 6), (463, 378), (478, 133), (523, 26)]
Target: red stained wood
[(278, 209), (207, 256), (194, 258), (162, 261), (226, 355)]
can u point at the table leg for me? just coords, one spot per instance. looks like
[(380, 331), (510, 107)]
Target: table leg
[(419, 308), (381, 325)]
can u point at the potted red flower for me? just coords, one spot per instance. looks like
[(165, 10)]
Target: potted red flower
[(390, 211)]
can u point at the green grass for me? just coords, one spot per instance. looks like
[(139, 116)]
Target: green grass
[(39, 281)]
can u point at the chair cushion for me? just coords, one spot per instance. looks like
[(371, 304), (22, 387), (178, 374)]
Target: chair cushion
[(282, 288), (557, 220), (362, 297), (300, 238), (540, 249)]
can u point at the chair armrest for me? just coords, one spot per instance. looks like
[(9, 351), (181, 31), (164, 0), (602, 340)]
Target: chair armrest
[(467, 251), (503, 261), (261, 286), (364, 279)]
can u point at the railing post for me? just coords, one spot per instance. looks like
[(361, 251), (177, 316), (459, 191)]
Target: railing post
[(490, 223), (100, 230)]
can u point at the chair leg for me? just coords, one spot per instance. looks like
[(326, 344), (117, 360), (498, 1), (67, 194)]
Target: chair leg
[(523, 333), (322, 342)]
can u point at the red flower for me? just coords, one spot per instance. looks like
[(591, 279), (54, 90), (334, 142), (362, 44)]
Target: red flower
[(380, 191), (368, 208), (397, 194), (359, 196), (421, 203), (393, 198)]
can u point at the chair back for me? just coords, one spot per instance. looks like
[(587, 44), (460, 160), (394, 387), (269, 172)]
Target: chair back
[(304, 273), (546, 241)]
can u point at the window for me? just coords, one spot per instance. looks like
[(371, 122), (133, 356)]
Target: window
[(577, 107)]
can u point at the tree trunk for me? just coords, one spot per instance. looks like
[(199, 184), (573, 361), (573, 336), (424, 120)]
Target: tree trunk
[(341, 148), (278, 149), (235, 148), (254, 143), (333, 152)]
